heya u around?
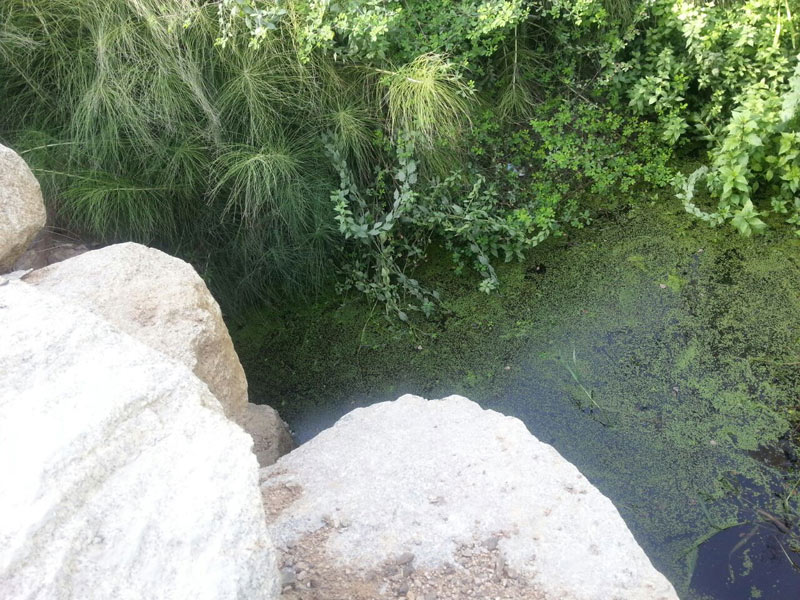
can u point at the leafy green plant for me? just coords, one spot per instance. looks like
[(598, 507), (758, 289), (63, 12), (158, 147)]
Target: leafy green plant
[(572, 159), (378, 32), (727, 75), (521, 187), (378, 268)]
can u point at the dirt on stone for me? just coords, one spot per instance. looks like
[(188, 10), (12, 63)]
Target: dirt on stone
[(478, 572), (277, 498)]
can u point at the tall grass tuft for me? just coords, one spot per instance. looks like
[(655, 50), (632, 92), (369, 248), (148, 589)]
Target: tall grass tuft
[(427, 96), (141, 129)]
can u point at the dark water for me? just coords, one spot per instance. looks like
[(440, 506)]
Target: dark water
[(739, 560), (661, 369)]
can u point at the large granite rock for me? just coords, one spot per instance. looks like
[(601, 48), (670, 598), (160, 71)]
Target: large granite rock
[(22, 212), (162, 301), (121, 476), (441, 499)]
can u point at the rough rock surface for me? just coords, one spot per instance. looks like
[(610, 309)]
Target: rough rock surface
[(442, 499), (22, 212), (122, 478), (271, 437), (162, 301)]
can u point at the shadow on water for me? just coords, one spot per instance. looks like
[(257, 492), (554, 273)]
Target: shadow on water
[(662, 365), (746, 561)]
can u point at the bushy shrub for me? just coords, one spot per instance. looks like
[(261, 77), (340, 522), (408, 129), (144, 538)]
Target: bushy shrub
[(379, 32), (522, 185), (270, 141), (725, 74), (219, 130)]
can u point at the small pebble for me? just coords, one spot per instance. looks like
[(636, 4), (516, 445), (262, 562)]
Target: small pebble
[(404, 558), (288, 577), (389, 570), (491, 543), (499, 564)]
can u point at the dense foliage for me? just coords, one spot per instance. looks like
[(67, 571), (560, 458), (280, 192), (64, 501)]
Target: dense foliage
[(505, 200), (726, 74), (141, 129), (274, 142)]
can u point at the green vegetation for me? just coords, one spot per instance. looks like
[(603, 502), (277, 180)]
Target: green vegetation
[(725, 74), (503, 179), (274, 143), (139, 128)]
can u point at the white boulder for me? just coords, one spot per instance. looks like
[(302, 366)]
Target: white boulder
[(121, 476), (162, 301), (22, 212), (444, 499)]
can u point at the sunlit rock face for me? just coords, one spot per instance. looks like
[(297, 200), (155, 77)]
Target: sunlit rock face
[(122, 476), (22, 212), (163, 302), (443, 499)]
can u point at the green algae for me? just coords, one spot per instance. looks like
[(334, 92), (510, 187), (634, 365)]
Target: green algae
[(655, 353)]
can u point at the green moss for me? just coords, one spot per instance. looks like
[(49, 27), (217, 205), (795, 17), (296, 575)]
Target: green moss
[(659, 395)]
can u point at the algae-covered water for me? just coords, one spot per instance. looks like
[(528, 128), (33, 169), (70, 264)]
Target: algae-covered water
[(659, 356)]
